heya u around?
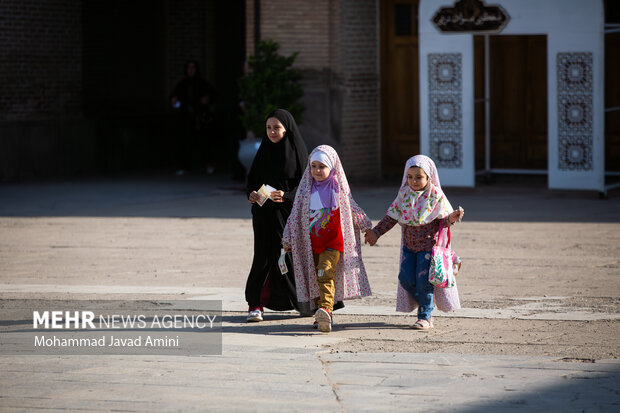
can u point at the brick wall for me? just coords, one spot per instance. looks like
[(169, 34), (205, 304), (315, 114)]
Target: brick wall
[(84, 83), (359, 75), (305, 27), (249, 28), (187, 38), (40, 63), (337, 41), (298, 26)]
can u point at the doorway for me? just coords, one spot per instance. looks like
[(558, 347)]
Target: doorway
[(612, 88), (513, 138), (400, 107)]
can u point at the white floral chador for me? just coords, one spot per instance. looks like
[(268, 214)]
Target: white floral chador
[(350, 277)]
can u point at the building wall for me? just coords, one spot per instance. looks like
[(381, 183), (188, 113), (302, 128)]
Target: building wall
[(84, 86), (360, 137), (41, 88), (337, 45), (575, 104), (298, 26), (304, 27), (40, 68), (187, 38)]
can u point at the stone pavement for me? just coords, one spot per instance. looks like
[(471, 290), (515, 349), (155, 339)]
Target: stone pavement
[(190, 238), (277, 378)]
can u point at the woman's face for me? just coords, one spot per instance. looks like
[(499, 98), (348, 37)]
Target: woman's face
[(416, 178), (319, 171), (191, 69), (275, 130)]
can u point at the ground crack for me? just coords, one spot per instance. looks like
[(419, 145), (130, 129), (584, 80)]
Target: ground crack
[(333, 385)]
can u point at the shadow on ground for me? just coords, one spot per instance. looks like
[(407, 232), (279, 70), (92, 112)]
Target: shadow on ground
[(299, 326), (221, 197)]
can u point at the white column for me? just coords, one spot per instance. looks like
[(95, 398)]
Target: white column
[(576, 109), (446, 98)]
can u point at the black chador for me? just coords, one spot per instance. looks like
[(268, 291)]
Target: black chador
[(280, 165)]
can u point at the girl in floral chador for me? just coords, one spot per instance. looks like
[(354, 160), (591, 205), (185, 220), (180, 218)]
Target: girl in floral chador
[(419, 208), (323, 233)]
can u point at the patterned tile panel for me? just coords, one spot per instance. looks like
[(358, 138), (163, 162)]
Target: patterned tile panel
[(445, 109), (575, 124)]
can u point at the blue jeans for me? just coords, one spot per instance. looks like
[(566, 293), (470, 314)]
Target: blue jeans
[(413, 277)]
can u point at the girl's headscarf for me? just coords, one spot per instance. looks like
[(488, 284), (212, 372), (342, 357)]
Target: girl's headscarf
[(420, 207), (327, 189)]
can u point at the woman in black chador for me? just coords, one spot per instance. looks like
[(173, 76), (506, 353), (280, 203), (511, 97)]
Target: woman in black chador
[(280, 163), (192, 98)]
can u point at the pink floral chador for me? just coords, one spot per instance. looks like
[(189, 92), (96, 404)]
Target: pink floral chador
[(350, 278), (419, 208)]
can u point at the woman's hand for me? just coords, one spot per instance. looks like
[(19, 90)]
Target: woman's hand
[(277, 196), (253, 197), (287, 248), (370, 237)]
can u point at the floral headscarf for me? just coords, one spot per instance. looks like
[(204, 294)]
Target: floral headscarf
[(420, 207), (350, 278)]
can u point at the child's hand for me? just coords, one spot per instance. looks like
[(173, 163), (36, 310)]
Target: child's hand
[(277, 196), (370, 237), (253, 197), (287, 248), (456, 215)]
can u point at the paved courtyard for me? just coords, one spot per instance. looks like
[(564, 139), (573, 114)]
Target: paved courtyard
[(539, 329)]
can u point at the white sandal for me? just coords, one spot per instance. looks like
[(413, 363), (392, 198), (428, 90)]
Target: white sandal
[(422, 324)]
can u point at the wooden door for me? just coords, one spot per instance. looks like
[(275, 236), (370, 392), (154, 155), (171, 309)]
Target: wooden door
[(518, 101), (400, 106), (518, 92)]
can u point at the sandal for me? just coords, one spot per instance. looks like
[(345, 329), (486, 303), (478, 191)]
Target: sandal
[(423, 324)]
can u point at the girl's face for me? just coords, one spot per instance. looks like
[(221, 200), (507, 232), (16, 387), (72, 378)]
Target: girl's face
[(319, 171), (275, 130), (416, 178)]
